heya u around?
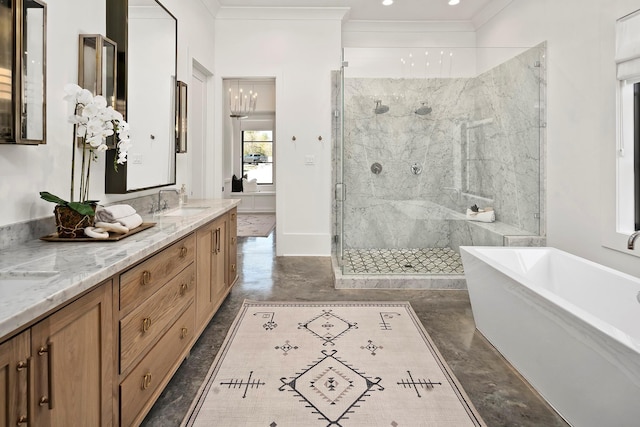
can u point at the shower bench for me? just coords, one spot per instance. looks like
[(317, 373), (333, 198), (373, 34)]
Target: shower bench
[(474, 233)]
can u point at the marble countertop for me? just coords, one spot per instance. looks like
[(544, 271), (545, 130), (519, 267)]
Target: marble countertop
[(37, 277)]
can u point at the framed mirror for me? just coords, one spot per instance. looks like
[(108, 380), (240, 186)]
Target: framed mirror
[(23, 72), (146, 36)]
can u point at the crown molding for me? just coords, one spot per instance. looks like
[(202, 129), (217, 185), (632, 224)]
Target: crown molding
[(283, 13), (407, 26)]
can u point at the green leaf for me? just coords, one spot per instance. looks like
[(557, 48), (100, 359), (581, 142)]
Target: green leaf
[(82, 208), (53, 198)]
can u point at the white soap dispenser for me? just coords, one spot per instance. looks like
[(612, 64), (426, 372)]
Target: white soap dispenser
[(183, 195)]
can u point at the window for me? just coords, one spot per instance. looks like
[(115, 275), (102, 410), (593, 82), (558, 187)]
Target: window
[(621, 214), (257, 155)]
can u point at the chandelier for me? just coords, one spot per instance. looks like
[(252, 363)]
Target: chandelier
[(241, 103)]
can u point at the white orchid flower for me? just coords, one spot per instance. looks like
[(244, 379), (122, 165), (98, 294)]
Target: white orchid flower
[(72, 90), (115, 115), (81, 131), (90, 110), (100, 102), (122, 158), (85, 97), (124, 145)]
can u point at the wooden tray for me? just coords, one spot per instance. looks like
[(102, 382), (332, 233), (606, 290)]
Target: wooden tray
[(112, 236)]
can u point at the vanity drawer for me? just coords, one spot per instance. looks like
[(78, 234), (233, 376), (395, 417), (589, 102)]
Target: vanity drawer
[(148, 378), (145, 324), (140, 282)]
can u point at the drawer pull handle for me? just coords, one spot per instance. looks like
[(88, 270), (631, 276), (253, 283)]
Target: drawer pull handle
[(233, 240), (233, 268), (146, 324), (48, 350), (233, 216), (183, 333), (24, 419), (183, 252), (146, 381), (146, 277), (183, 289)]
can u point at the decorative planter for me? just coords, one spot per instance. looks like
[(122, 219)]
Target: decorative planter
[(71, 224)]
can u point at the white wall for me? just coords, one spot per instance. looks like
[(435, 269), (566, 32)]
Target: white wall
[(581, 130), (27, 170), (299, 48), (195, 43)]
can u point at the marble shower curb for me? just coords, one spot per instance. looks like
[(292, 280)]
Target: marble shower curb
[(396, 281)]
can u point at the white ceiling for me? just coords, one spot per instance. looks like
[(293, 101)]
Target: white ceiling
[(373, 10)]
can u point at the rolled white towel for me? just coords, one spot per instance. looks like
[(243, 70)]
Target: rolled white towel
[(482, 215), (116, 227), (130, 221), (113, 213)]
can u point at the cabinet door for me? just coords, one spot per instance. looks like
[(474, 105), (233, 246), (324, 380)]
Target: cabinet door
[(73, 364), (14, 375), (205, 245), (233, 247), (220, 261), (211, 267)]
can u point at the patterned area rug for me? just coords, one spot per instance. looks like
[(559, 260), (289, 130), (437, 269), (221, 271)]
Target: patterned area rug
[(332, 364), (255, 225)]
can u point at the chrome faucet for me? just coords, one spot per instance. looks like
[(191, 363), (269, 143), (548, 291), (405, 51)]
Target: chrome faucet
[(632, 238), (164, 190)]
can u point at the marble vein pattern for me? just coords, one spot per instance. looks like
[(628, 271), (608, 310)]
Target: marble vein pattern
[(38, 276), (480, 144)]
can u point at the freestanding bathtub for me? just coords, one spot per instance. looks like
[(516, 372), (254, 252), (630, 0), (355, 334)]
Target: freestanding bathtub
[(571, 327)]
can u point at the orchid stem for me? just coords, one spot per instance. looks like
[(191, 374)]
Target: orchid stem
[(73, 160), (82, 175), (85, 196)]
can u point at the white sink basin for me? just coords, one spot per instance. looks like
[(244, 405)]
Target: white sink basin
[(187, 211)]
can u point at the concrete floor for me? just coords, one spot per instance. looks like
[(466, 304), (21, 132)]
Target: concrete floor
[(499, 393)]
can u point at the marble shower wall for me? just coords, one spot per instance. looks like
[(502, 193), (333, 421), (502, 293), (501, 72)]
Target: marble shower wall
[(502, 140), (479, 144)]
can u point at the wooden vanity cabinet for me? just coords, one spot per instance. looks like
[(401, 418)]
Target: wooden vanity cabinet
[(156, 325), (72, 367), (211, 281), (104, 358), (59, 372)]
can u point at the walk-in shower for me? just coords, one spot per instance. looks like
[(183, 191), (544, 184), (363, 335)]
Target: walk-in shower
[(462, 132)]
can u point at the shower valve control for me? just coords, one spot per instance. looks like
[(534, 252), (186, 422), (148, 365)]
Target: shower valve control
[(376, 168)]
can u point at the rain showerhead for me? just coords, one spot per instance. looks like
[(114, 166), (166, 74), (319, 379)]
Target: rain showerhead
[(380, 109), (423, 110)]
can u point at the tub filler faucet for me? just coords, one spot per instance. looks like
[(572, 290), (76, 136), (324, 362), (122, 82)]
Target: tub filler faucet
[(632, 239)]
